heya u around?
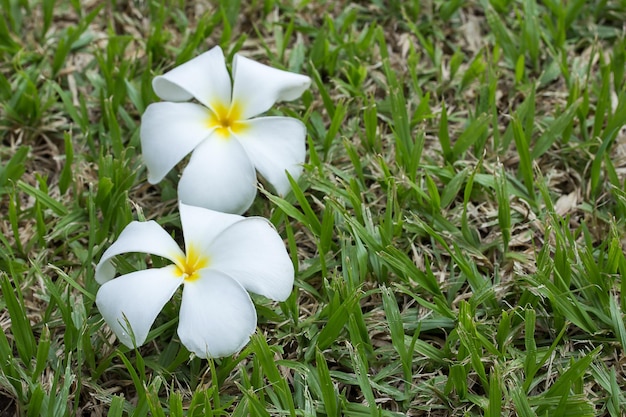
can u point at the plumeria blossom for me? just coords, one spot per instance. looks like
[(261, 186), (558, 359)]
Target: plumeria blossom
[(225, 256), (227, 141)]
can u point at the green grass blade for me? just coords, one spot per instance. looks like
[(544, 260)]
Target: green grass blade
[(329, 394), (266, 358), (361, 368), (504, 207), (20, 325), (41, 196), (116, 408), (525, 169), (471, 134), (555, 130)]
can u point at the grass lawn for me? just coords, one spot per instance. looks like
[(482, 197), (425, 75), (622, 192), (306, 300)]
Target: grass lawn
[(457, 234)]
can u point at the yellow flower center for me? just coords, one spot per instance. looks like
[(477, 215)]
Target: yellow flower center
[(188, 267), (226, 120)]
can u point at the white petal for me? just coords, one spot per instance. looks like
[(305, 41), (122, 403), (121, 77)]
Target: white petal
[(217, 316), (136, 299), (256, 87), (275, 145), (219, 177), (201, 226), (144, 237), (253, 253), (205, 78), (169, 131)]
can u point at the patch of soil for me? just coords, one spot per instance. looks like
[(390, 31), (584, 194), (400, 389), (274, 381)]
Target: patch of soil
[(7, 406)]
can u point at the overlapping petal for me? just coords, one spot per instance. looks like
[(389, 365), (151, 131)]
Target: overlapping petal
[(144, 237), (256, 87), (263, 265), (204, 78), (219, 176), (275, 145), (135, 300), (217, 316), (202, 226), (169, 131)]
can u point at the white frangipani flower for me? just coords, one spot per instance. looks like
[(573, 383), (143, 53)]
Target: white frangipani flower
[(226, 256), (228, 143)]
